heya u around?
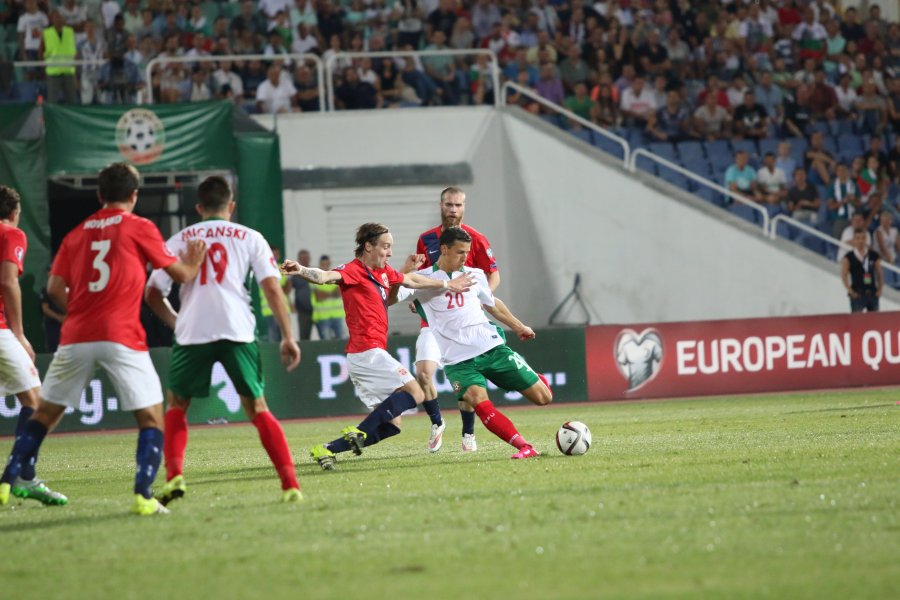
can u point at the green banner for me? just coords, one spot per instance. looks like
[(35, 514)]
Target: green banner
[(173, 137), (320, 386)]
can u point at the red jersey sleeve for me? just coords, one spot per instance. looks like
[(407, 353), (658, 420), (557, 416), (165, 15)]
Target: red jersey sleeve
[(13, 247), (483, 255), (152, 245), (394, 276), (350, 273)]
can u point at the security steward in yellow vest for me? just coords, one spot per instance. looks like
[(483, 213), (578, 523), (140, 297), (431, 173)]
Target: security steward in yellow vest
[(327, 307), (58, 45)]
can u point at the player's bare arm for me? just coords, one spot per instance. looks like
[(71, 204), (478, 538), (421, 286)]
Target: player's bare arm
[(12, 300), (460, 284), (413, 263), (502, 313), (493, 280), (311, 274), (290, 351), (58, 292), (160, 306), (189, 262)]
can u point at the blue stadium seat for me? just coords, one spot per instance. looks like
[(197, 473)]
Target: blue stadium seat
[(690, 150), (721, 161), (717, 148), (698, 165), (710, 195), (635, 137), (845, 127), (769, 145), (798, 149), (607, 145), (663, 150), (746, 212), (748, 146), (675, 178), (551, 119), (647, 165), (583, 134)]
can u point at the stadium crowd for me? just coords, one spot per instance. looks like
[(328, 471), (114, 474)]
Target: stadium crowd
[(697, 81)]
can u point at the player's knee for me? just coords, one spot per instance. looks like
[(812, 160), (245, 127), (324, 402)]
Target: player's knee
[(414, 390), (30, 398), (175, 401), (465, 406)]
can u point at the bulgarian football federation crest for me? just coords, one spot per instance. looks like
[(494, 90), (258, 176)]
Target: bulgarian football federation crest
[(140, 136)]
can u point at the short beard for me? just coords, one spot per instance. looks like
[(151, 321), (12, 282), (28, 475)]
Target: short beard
[(448, 222)]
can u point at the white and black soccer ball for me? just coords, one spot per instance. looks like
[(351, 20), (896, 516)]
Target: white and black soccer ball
[(140, 135), (573, 438)]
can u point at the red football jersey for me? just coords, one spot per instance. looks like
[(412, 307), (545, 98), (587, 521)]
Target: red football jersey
[(13, 245), (104, 264), (365, 294), (480, 255)]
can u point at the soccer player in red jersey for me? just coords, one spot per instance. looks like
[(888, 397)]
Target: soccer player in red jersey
[(382, 383), (18, 375), (98, 276), (428, 355)]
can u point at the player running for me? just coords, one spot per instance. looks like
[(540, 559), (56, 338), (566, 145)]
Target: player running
[(428, 355), (216, 324), (382, 383), (18, 376), (472, 348), (98, 277)]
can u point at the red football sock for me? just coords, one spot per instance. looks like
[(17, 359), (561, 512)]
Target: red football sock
[(498, 424), (272, 437), (175, 441)]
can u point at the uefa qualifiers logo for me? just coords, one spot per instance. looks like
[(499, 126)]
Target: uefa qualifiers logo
[(638, 356), (140, 136)]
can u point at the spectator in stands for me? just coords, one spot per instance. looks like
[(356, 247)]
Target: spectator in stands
[(355, 94), (637, 104), (58, 45), (573, 69), (823, 101), (227, 84), (119, 81), (305, 41), (846, 98), (462, 36), (74, 15), (887, 241), (857, 221), (736, 92), (91, 49), (893, 161), (797, 113), (672, 122), (803, 201), (199, 90), (248, 20), (818, 161), (653, 57), (308, 88), (740, 177), (861, 273), (276, 94), (549, 85), (843, 200), (442, 70), (132, 17), (30, 27), (876, 149), (607, 106), (770, 97), (772, 185), (868, 182), (711, 120), (784, 160), (514, 67), (581, 104), (750, 119), (871, 109)]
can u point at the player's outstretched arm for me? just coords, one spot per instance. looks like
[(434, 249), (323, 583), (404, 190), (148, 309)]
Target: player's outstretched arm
[(419, 282), (290, 351), (160, 306), (502, 313), (311, 274), (189, 262)]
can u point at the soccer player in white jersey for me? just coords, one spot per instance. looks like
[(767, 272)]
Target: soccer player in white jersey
[(473, 350), (216, 324)]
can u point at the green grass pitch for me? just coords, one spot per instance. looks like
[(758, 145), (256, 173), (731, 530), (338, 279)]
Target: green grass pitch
[(786, 496)]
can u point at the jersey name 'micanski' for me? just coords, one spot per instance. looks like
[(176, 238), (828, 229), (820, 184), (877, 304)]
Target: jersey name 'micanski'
[(209, 232), (101, 223)]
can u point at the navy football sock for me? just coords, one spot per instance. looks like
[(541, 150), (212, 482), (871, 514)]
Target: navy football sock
[(338, 445), (148, 456), (26, 448), (384, 431), (392, 407), (434, 411), (27, 471), (468, 422)]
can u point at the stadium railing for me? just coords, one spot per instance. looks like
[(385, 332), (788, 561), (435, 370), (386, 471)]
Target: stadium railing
[(320, 72), (334, 58), (533, 95), (758, 208)]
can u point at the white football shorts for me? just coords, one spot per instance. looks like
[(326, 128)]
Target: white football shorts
[(131, 372), (427, 347), (17, 372), (376, 375)]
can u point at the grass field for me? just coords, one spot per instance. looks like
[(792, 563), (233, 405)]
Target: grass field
[(790, 496)]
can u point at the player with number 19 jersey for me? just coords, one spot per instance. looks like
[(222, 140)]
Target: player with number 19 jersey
[(216, 305), (103, 262)]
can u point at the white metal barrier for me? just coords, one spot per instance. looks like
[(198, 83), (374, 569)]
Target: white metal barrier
[(626, 148), (331, 60), (701, 180), (235, 58)]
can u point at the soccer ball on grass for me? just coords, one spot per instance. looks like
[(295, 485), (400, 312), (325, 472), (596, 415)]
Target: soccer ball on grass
[(573, 438)]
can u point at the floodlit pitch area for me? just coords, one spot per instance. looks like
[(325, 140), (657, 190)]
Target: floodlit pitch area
[(789, 496)]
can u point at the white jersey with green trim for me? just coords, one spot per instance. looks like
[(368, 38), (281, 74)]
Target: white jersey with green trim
[(457, 319), (216, 304)]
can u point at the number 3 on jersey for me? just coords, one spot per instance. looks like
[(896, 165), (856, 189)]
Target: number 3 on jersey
[(217, 257), (101, 247)]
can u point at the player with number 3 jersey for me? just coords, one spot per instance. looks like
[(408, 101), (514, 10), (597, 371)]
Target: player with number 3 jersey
[(216, 324), (472, 349), (98, 278)]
